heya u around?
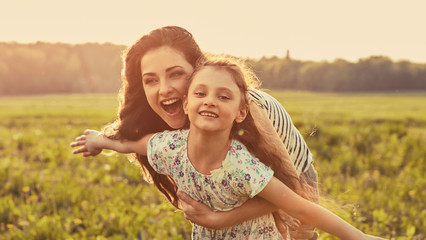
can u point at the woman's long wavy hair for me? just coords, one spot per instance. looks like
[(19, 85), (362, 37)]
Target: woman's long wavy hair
[(135, 116), (257, 140)]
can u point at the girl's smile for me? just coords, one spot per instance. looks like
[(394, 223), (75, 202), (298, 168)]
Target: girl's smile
[(214, 101)]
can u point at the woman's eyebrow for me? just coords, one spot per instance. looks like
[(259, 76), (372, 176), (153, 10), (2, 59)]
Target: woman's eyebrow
[(172, 68), (148, 74)]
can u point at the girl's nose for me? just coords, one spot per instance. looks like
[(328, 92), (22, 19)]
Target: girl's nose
[(209, 101)]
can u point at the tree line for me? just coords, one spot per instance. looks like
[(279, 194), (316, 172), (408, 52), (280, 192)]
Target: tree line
[(47, 68)]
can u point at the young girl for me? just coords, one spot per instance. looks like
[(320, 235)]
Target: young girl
[(211, 164)]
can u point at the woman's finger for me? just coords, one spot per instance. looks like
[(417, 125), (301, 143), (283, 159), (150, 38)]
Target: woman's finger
[(185, 198)]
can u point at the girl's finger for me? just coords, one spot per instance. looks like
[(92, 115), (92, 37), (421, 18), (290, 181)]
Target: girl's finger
[(86, 154), (80, 150), (88, 131), (76, 144), (80, 138), (73, 144)]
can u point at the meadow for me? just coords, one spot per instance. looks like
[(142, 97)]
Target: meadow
[(369, 152)]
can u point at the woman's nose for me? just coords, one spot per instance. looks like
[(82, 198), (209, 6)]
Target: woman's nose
[(165, 88)]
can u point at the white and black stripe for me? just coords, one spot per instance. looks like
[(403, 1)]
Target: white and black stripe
[(291, 137)]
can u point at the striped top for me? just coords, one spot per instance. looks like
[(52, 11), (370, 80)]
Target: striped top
[(281, 121)]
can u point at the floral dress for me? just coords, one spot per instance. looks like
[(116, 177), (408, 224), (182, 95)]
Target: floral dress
[(240, 177)]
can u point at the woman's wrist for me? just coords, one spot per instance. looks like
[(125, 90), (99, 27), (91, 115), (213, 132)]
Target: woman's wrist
[(218, 220)]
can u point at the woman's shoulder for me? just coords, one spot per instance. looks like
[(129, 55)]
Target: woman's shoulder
[(263, 98)]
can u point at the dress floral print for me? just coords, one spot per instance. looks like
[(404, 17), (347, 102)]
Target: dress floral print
[(240, 177)]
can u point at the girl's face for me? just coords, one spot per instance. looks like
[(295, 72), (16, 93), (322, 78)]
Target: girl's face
[(165, 73), (214, 101)]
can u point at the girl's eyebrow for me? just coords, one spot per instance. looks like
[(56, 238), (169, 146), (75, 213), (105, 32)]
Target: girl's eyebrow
[(225, 89), (218, 89)]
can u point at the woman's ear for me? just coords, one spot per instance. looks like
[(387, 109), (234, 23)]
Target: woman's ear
[(185, 104), (242, 114)]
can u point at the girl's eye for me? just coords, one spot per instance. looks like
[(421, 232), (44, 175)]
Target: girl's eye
[(224, 97), (199, 94)]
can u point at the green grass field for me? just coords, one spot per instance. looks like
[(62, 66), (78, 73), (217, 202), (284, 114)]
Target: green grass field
[(369, 153)]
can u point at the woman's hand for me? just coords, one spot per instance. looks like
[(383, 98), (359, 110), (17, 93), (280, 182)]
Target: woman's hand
[(199, 213), (88, 143)]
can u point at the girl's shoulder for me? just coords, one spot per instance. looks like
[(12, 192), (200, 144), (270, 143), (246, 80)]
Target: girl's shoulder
[(239, 156), (173, 138)]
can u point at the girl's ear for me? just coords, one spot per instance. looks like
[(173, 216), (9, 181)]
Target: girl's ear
[(242, 114), (185, 104)]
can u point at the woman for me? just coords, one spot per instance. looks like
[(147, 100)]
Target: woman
[(154, 83)]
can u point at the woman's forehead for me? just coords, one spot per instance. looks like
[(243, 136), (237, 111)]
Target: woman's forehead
[(163, 58)]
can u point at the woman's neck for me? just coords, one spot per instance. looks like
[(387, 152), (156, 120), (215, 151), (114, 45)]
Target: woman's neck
[(207, 150)]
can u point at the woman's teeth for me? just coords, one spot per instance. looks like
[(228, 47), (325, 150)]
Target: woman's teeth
[(172, 106), (171, 101)]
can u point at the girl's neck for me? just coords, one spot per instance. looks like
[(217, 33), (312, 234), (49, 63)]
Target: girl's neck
[(207, 150)]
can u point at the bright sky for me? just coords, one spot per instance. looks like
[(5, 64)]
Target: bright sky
[(311, 30)]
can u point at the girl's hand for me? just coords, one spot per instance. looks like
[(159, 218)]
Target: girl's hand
[(371, 237), (199, 213), (88, 143)]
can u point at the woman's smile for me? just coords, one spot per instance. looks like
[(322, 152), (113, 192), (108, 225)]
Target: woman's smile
[(172, 106), (165, 73)]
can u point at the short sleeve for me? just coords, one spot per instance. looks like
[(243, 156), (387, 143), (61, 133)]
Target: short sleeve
[(249, 175), (163, 150), (254, 96)]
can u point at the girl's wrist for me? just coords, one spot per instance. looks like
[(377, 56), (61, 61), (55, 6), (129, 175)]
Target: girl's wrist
[(101, 142)]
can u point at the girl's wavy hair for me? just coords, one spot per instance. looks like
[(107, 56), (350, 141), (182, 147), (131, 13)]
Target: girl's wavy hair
[(135, 116), (255, 138)]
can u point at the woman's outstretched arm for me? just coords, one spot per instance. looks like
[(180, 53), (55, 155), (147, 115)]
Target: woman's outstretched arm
[(201, 214)]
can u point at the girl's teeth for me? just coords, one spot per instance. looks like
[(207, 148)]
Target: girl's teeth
[(209, 114)]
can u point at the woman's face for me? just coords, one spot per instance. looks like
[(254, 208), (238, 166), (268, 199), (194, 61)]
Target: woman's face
[(165, 73)]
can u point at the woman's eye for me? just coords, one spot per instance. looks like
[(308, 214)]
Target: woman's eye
[(177, 74), (150, 80)]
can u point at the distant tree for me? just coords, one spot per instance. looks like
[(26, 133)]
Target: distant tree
[(43, 68)]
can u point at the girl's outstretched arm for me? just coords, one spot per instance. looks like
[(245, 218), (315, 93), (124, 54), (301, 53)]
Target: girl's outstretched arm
[(309, 213), (93, 142)]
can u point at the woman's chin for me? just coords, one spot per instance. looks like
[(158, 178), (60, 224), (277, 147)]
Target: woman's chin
[(176, 122)]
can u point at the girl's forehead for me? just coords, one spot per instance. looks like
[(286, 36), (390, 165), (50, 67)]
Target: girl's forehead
[(212, 71), (214, 77)]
